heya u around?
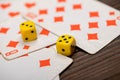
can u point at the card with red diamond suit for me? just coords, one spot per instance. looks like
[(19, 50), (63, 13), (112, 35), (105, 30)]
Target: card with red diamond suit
[(11, 43), (44, 64), (10, 9), (92, 23)]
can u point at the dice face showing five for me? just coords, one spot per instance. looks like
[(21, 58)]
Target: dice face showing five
[(28, 31), (65, 45)]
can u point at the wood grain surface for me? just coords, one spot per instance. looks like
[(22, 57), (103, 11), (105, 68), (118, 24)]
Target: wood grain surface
[(105, 65)]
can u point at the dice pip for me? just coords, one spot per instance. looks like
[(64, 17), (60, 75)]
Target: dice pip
[(65, 45), (28, 31)]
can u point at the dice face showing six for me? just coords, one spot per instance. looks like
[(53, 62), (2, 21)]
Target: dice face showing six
[(28, 31), (65, 45)]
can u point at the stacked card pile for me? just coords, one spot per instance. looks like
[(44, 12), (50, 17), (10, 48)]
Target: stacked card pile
[(92, 26)]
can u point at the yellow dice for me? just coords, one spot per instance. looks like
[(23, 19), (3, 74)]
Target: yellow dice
[(28, 31), (66, 45)]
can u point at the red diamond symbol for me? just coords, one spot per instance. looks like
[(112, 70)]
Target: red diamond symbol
[(112, 13), (4, 30), (60, 9), (77, 6), (44, 11), (25, 55), (45, 32), (75, 27), (40, 20), (94, 14), (111, 23), (93, 36), (58, 19), (44, 63), (93, 24), (26, 47), (12, 44), (61, 1)]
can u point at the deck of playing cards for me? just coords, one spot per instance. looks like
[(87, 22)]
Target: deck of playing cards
[(92, 26)]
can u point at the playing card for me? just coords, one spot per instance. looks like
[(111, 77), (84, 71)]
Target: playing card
[(44, 64), (11, 43), (11, 9), (57, 78), (92, 23)]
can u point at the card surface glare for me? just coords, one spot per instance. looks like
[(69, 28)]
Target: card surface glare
[(44, 64), (92, 26), (13, 46)]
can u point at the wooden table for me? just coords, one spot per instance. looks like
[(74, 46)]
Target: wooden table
[(105, 65)]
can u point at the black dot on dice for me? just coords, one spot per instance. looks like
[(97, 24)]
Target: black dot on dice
[(26, 24), (63, 36), (70, 37), (60, 40), (63, 50), (22, 24), (30, 25), (67, 41), (32, 31), (26, 38)]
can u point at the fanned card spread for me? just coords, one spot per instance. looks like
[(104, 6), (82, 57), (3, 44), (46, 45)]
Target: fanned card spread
[(91, 22)]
